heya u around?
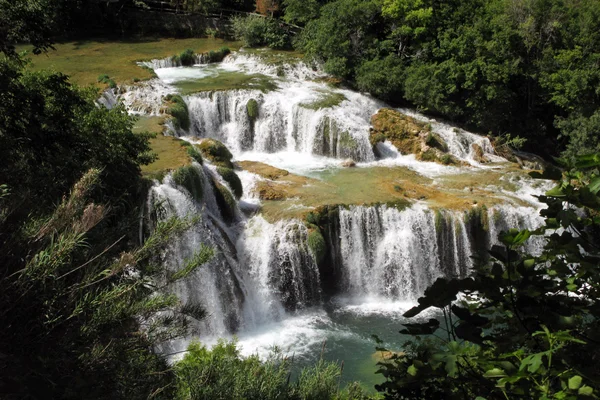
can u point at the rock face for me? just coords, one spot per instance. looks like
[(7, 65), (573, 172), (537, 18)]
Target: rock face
[(409, 136)]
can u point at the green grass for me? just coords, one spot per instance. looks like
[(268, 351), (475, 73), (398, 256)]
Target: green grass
[(171, 153), (85, 60), (227, 80)]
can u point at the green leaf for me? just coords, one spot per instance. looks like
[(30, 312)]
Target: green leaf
[(412, 370), (594, 185), (575, 382), (556, 192), (532, 363), (585, 391), (495, 373), (588, 161)]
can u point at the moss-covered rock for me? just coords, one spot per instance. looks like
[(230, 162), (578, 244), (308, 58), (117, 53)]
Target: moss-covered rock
[(225, 201), (478, 154), (216, 152), (252, 109), (232, 179), (178, 109), (189, 177), (264, 170), (195, 154), (317, 244), (409, 136), (270, 191)]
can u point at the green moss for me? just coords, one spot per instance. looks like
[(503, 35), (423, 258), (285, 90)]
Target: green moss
[(227, 80), (347, 141), (252, 109), (479, 217), (439, 220), (195, 154), (317, 245), (178, 109), (225, 201), (428, 155), (447, 159), (189, 178), (434, 140), (232, 179), (329, 100), (216, 152)]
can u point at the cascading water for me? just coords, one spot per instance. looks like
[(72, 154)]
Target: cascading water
[(264, 283), (287, 121), (253, 278)]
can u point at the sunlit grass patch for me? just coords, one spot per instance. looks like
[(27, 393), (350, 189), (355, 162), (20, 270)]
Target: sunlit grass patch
[(85, 60)]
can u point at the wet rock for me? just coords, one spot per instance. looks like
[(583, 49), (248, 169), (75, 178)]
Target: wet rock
[(348, 163)]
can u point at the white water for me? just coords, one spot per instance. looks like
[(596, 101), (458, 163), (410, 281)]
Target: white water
[(264, 285)]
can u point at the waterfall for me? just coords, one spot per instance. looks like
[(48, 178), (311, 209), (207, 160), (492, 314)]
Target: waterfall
[(397, 254), (286, 122), (173, 62), (460, 142), (259, 271)]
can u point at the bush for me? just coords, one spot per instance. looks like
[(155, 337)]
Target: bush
[(107, 80), (232, 179), (189, 178), (257, 31), (179, 111), (218, 55), (187, 57), (222, 373)]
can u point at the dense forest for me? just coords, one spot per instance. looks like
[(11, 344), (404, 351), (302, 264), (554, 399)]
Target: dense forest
[(79, 309)]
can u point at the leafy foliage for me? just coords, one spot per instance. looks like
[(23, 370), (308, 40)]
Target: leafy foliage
[(256, 31), (526, 68), (520, 326), (222, 373)]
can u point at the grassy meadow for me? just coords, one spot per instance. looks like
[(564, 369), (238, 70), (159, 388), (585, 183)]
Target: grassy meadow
[(85, 60)]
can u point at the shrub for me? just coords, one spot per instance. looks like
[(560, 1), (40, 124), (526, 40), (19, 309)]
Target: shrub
[(222, 373), (218, 55), (189, 177), (107, 80), (187, 57), (252, 109), (232, 179), (257, 31), (179, 111)]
